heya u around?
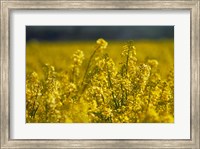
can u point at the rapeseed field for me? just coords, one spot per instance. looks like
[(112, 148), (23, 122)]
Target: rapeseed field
[(100, 81)]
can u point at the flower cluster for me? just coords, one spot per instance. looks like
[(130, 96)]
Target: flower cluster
[(102, 43), (102, 91)]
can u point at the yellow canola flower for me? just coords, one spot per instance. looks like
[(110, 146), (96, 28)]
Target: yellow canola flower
[(153, 63), (102, 43)]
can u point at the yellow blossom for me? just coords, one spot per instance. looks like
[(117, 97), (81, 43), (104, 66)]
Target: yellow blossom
[(102, 43)]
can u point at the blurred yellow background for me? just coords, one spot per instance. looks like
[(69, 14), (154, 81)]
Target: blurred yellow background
[(58, 54)]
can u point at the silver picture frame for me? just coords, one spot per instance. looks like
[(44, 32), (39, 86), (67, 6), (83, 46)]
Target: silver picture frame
[(6, 6)]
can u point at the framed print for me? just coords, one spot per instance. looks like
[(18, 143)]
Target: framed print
[(100, 74)]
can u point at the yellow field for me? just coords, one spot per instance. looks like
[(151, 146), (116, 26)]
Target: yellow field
[(59, 54), (79, 82)]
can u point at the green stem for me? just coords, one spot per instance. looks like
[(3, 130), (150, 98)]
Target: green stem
[(111, 87), (87, 68)]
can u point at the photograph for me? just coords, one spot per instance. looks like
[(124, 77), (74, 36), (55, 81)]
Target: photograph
[(100, 74)]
